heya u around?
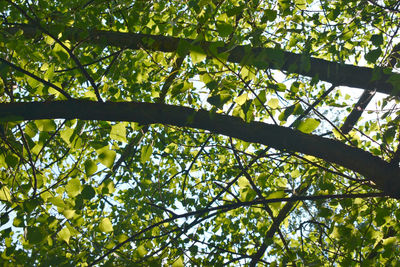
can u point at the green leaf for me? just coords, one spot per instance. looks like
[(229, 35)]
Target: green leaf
[(48, 40), (73, 187), (68, 214), (301, 4), (197, 54), (33, 83), (284, 4), (11, 160), (347, 33), (60, 52), (373, 55), (64, 235), (5, 218), (88, 192), (243, 183), (57, 201), (308, 125), (334, 13), (105, 225), (394, 80), (142, 250), (30, 205), (270, 15), (224, 29), (146, 152), (106, 156), (31, 129), (276, 205), (389, 134), (234, 11), (389, 241), (46, 125), (5, 194), (90, 167), (107, 187), (66, 135), (262, 180), (118, 132), (178, 262), (35, 235), (273, 103), (286, 113), (219, 100), (376, 39), (240, 100)]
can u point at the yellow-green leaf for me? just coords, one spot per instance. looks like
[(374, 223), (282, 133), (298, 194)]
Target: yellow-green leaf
[(273, 103), (122, 238), (142, 250), (240, 100), (105, 225), (178, 263), (146, 153), (106, 156), (45, 125), (90, 167), (41, 180), (308, 125), (57, 201), (389, 241), (243, 182), (275, 206), (73, 187), (118, 132), (68, 213), (60, 52), (64, 234), (197, 54), (5, 193), (66, 135)]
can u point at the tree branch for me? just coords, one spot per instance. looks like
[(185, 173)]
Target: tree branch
[(384, 175), (339, 74)]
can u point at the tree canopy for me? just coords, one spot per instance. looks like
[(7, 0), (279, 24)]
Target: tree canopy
[(211, 132)]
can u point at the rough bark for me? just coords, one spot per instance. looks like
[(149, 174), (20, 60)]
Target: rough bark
[(378, 79), (385, 176)]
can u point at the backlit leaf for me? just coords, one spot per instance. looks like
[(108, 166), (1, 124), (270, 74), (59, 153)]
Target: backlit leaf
[(106, 156), (197, 54), (308, 125), (146, 152), (90, 167), (273, 103), (105, 225), (118, 132), (45, 125), (5, 193), (73, 187), (178, 263), (64, 234), (240, 100)]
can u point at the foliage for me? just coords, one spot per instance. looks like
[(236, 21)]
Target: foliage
[(116, 191)]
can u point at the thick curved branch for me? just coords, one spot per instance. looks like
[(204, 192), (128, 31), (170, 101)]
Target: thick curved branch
[(263, 58), (384, 175)]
